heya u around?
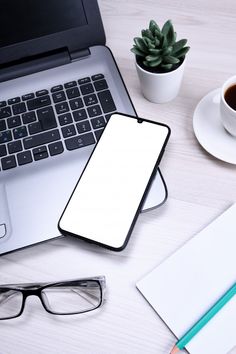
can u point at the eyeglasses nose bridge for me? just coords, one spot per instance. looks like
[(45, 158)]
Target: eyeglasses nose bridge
[(36, 292), (30, 292), (26, 294)]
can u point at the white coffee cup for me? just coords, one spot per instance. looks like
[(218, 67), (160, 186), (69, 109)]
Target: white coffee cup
[(228, 114)]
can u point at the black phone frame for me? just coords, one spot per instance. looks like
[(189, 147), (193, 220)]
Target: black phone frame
[(118, 249)]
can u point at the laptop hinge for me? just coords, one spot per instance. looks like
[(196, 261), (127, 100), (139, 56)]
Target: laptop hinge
[(79, 54), (34, 64)]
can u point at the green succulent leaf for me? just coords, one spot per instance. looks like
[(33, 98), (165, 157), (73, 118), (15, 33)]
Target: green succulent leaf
[(166, 51), (171, 60), (155, 63), (156, 42), (170, 35), (147, 33), (153, 26), (146, 63), (155, 51), (138, 52), (164, 43), (146, 41), (152, 57), (140, 44), (175, 36), (179, 45), (166, 67), (150, 44), (158, 35), (182, 52), (166, 27)]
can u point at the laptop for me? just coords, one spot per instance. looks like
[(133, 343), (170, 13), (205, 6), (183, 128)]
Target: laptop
[(59, 84)]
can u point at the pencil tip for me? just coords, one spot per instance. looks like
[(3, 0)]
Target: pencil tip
[(174, 350)]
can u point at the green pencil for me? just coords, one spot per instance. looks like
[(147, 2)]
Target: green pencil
[(204, 320)]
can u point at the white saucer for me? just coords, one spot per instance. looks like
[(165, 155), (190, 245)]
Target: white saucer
[(209, 130)]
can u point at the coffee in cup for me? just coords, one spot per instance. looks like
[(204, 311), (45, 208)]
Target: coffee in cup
[(230, 96), (228, 105)]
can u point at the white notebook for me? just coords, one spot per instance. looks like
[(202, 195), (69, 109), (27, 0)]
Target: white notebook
[(188, 283)]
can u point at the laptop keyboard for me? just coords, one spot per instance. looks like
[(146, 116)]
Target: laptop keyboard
[(46, 123)]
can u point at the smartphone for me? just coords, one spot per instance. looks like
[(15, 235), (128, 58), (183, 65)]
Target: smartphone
[(108, 197)]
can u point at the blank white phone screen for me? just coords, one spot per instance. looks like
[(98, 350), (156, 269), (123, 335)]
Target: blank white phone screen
[(108, 194)]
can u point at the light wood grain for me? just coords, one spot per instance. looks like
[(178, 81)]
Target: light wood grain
[(200, 188)]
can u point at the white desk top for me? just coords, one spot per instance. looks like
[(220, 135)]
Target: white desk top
[(200, 188)]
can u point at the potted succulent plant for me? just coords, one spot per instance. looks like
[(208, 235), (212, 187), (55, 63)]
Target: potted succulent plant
[(160, 61)]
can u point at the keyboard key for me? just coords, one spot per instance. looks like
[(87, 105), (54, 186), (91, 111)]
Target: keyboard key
[(65, 119), (83, 127), (90, 99), (85, 80), (20, 132), (40, 153), (76, 103), (98, 122), (39, 149), (70, 84), (98, 133), (56, 88), (3, 125), (3, 104), (28, 96), (73, 92), (41, 93), (28, 117), (13, 100), (40, 156), (38, 102), (68, 131), (62, 107), (19, 108), (24, 158), (58, 97), (3, 150), (86, 89), (100, 85), (8, 162), (35, 128), (47, 118), (80, 115), (97, 77), (14, 122), (5, 112), (5, 136), (14, 146), (56, 148), (106, 101), (94, 111), (79, 141), (41, 139)]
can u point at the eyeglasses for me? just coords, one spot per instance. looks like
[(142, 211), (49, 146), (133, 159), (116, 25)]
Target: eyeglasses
[(61, 298)]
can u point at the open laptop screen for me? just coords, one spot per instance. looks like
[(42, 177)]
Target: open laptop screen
[(23, 20)]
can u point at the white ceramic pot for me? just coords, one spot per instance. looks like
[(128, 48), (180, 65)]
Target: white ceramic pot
[(163, 87)]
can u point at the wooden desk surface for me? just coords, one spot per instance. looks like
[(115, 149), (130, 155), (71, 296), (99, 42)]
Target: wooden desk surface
[(200, 188)]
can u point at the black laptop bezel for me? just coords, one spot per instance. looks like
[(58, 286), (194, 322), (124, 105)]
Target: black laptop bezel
[(73, 40)]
